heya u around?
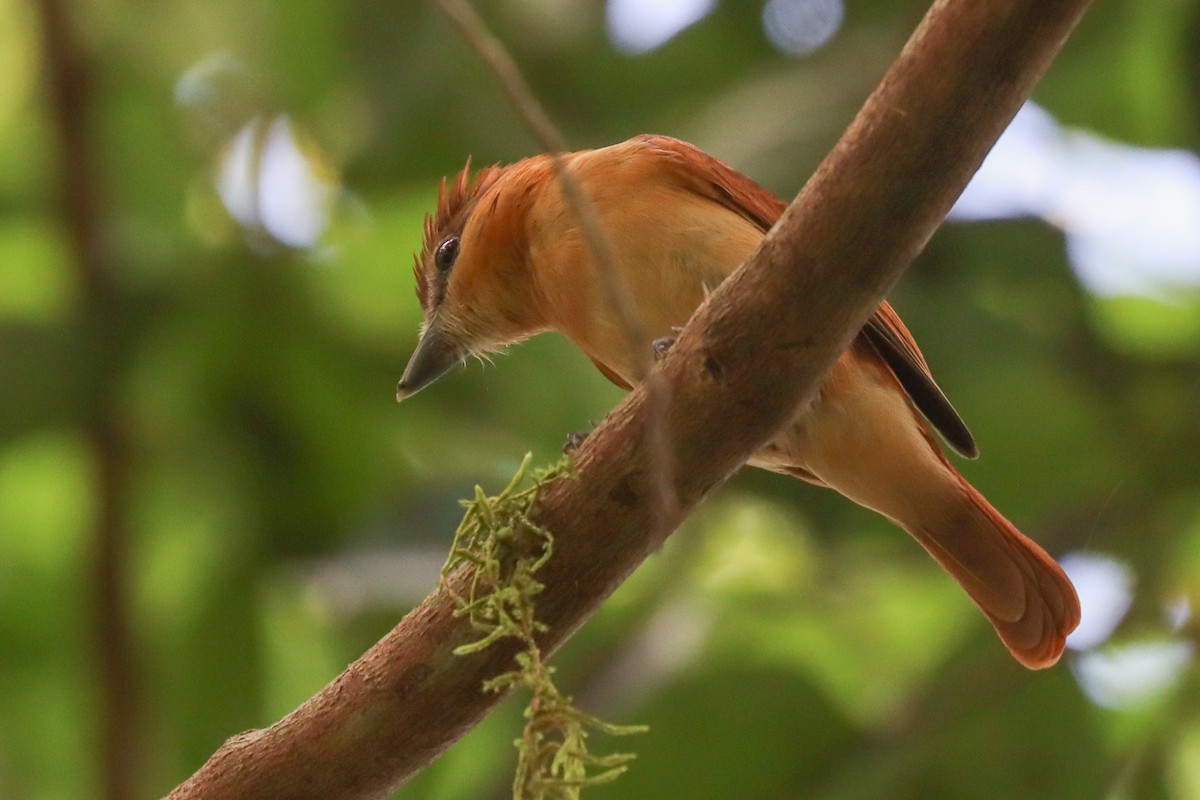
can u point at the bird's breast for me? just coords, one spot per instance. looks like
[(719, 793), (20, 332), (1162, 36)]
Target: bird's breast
[(666, 264)]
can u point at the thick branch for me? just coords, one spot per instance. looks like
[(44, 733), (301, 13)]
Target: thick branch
[(754, 353)]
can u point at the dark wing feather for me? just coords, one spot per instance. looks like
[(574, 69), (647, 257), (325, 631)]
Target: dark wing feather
[(896, 346), (611, 375), (885, 332)]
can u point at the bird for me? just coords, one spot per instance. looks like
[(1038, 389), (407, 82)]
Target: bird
[(504, 257)]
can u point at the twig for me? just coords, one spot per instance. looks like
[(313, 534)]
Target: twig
[(506, 72), (547, 135), (753, 353)]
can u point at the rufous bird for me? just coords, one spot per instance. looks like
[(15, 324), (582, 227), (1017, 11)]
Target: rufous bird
[(504, 259)]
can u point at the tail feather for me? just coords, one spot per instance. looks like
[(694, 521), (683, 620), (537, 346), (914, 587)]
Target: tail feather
[(1018, 586), (865, 439)]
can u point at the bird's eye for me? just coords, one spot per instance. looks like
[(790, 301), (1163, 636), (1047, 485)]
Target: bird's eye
[(446, 253)]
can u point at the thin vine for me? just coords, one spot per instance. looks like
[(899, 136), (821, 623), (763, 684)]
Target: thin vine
[(506, 548)]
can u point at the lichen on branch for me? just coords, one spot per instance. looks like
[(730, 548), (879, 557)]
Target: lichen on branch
[(505, 548)]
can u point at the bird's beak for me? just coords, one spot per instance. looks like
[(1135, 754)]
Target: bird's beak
[(433, 358)]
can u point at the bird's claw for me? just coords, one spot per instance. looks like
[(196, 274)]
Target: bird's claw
[(662, 346), (575, 440)]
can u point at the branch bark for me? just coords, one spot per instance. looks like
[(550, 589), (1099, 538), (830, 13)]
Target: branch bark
[(750, 356)]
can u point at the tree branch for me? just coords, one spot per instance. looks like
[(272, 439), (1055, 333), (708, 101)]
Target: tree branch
[(616, 295), (99, 316), (750, 356)]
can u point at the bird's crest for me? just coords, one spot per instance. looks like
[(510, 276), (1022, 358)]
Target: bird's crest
[(453, 205)]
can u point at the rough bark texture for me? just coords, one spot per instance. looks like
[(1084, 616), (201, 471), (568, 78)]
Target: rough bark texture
[(749, 357)]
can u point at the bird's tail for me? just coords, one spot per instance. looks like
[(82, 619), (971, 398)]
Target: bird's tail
[(1018, 586)]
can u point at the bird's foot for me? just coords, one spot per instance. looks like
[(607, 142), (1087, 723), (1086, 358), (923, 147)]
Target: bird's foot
[(662, 346), (575, 440)]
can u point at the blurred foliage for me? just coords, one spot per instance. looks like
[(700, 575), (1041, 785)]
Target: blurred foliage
[(284, 512)]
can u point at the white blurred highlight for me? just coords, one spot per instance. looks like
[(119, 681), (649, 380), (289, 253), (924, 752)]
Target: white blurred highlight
[(1129, 213), (639, 26), (1133, 674), (237, 183), (268, 182), (1105, 588), (197, 86), (1112, 673), (1178, 612), (799, 27)]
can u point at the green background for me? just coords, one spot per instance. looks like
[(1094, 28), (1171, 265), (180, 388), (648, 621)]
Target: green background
[(280, 512)]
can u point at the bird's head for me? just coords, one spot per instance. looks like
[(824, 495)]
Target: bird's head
[(472, 275)]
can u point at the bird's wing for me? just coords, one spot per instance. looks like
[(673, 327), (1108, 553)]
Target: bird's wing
[(611, 374), (896, 346), (884, 331), (716, 180)]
